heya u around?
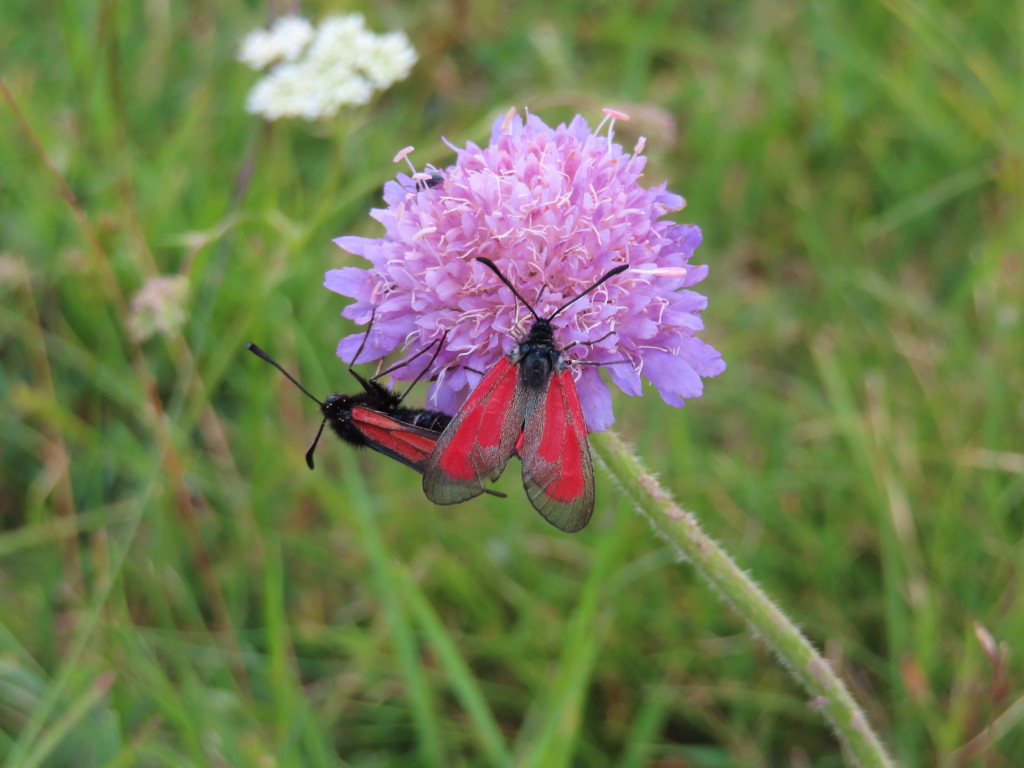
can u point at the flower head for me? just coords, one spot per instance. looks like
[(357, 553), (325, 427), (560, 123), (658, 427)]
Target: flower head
[(286, 39), (320, 71), (555, 209), (158, 307)]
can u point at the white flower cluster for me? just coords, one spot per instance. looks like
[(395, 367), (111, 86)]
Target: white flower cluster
[(286, 39), (316, 72), (159, 307)]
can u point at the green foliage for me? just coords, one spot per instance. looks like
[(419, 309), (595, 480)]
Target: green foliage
[(179, 590)]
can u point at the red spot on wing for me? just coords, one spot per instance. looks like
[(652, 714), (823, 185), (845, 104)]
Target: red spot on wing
[(558, 473), (477, 426), (479, 440), (455, 458), (561, 441), (409, 444)]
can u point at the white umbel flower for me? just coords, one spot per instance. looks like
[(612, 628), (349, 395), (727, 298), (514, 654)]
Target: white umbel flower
[(341, 65), (389, 60), (285, 40), (159, 307)]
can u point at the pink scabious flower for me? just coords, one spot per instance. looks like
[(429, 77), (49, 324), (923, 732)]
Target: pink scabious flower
[(555, 209)]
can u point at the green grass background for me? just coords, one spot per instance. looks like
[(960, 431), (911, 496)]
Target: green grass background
[(176, 588)]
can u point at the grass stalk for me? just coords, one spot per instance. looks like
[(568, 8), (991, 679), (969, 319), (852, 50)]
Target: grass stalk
[(681, 530)]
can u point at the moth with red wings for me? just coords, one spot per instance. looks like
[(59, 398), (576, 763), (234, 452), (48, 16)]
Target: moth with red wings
[(526, 405), (375, 418)]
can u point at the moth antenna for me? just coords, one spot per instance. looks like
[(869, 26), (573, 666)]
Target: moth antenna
[(491, 265), (261, 354), (366, 336), (362, 346), (599, 364), (587, 343), (609, 274), (316, 441), (438, 342)]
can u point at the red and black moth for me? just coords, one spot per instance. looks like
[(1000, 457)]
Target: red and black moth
[(375, 418), (526, 405)]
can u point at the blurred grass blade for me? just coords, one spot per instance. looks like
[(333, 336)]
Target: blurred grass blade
[(938, 194), (561, 706), (458, 673), (648, 723), (425, 714), (79, 708)]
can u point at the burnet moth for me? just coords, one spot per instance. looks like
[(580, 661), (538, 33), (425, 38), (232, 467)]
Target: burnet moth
[(375, 418), (430, 179), (526, 405), (425, 179)]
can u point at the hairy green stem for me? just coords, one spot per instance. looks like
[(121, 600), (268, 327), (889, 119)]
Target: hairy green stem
[(680, 528)]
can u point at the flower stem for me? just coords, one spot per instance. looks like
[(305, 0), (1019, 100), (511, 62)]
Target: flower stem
[(766, 621)]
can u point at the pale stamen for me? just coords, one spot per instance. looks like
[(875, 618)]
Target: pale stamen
[(509, 116), (610, 116), (614, 114), (661, 271), (402, 154)]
